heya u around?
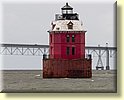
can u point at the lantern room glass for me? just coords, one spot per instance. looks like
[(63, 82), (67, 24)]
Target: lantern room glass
[(67, 11)]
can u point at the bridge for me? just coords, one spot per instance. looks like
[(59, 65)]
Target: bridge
[(40, 50)]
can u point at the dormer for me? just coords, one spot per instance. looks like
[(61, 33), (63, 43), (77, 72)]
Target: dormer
[(70, 25)]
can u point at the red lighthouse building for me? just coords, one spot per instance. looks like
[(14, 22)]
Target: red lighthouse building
[(67, 48)]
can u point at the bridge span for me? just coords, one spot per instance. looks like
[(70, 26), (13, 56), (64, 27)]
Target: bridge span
[(40, 50)]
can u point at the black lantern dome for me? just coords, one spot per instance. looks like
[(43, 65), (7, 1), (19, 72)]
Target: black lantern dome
[(67, 9), (67, 13)]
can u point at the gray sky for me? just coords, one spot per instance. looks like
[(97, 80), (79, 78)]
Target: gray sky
[(29, 22)]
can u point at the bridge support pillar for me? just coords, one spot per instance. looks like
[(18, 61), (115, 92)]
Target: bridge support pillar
[(107, 57), (107, 60), (99, 62)]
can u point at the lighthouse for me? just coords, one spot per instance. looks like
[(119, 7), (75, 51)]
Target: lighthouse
[(67, 48)]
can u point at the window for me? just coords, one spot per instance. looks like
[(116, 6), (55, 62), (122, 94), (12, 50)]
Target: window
[(73, 38), (67, 38), (67, 50), (73, 50), (70, 25)]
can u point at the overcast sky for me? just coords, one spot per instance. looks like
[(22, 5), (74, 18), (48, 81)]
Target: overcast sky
[(28, 23)]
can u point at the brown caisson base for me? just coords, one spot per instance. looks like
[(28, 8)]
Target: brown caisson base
[(63, 68)]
